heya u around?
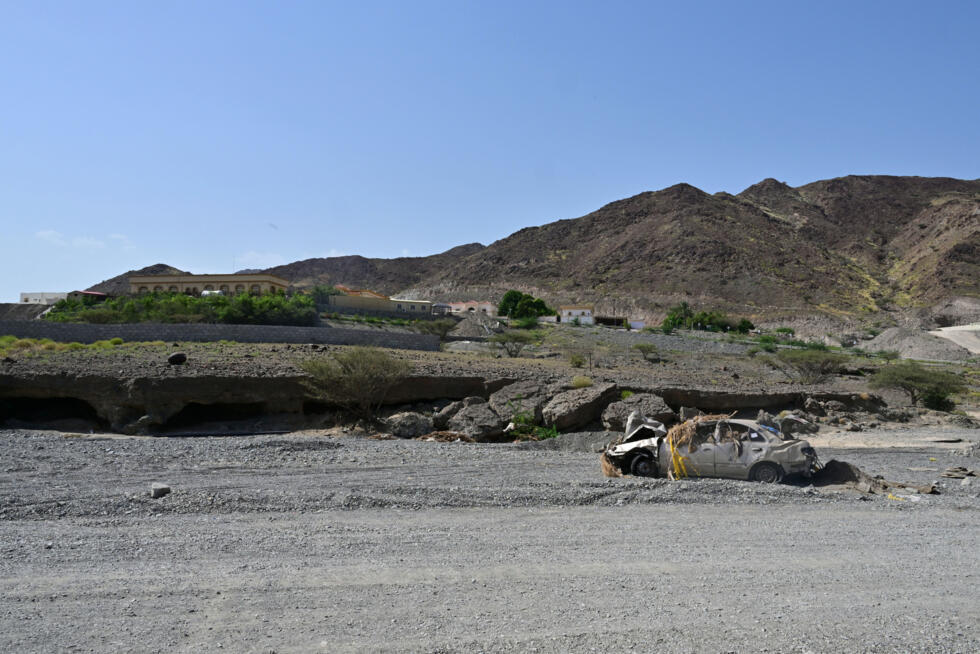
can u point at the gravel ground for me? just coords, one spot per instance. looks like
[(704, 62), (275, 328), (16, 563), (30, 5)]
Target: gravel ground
[(316, 542)]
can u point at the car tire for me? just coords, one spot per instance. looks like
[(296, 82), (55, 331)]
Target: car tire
[(643, 465), (766, 473)]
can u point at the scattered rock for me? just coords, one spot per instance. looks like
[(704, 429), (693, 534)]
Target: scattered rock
[(158, 490), (441, 418), (648, 404), (409, 425), (470, 401), (177, 359)]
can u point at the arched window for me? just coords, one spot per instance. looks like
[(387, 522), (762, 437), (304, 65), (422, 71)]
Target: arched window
[(239, 288), (256, 288), (157, 289), (173, 289), (223, 288), (208, 287), (143, 289)]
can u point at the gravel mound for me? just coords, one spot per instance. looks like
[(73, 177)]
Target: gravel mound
[(912, 344)]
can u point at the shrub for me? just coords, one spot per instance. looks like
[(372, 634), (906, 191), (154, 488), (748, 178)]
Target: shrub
[(919, 383), (625, 395), (752, 351), (789, 331), (74, 345), (357, 379), (580, 381), (808, 366), (116, 341), (888, 355), (744, 326), (513, 342), (576, 360), (529, 322), (440, 327), (649, 351)]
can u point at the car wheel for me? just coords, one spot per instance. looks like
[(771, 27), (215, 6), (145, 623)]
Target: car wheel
[(642, 465), (767, 473)]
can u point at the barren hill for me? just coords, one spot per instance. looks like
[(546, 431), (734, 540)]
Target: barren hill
[(119, 284), (848, 247)]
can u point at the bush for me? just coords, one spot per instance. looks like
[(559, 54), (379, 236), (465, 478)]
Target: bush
[(513, 342), (808, 366), (357, 379), (576, 360), (789, 331), (920, 383), (625, 395), (116, 341), (744, 326), (530, 322), (649, 351), (440, 327), (888, 355), (580, 381)]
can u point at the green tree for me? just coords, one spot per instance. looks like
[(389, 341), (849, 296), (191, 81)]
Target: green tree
[(509, 302), (649, 351), (440, 327), (932, 387)]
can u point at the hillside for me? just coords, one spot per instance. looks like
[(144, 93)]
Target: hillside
[(847, 247), (119, 284)]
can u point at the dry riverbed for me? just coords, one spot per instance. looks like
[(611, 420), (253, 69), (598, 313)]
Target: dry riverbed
[(321, 542)]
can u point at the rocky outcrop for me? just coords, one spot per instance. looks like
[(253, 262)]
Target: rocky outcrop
[(577, 408), (651, 406), (522, 397)]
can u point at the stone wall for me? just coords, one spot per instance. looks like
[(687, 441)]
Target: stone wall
[(85, 333)]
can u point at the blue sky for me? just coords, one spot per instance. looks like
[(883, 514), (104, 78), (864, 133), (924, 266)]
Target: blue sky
[(215, 136)]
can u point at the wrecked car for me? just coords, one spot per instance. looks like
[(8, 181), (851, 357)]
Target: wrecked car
[(709, 446)]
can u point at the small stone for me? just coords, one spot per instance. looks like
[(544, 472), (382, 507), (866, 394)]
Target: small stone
[(177, 359), (48, 545), (966, 481), (158, 490)]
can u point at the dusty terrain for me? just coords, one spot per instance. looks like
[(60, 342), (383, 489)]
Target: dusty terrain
[(321, 541)]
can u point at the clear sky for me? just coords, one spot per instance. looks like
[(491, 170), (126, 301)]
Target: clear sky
[(215, 136)]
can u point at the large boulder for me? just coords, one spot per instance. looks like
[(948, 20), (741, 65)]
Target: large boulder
[(479, 422), (649, 405), (523, 397), (577, 408), (409, 425)]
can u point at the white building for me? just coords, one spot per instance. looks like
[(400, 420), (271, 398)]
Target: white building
[(581, 312), (42, 298)]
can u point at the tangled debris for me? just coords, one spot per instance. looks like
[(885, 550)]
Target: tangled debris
[(847, 475)]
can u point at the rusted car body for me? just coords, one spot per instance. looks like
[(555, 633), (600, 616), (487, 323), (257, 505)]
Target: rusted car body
[(711, 447)]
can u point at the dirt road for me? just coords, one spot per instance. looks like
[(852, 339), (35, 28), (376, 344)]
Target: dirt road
[(302, 543)]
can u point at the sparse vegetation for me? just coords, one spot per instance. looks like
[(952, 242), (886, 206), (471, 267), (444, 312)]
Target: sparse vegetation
[(808, 366), (576, 360), (440, 327), (513, 342), (930, 386), (357, 379), (649, 351), (682, 316), (580, 381)]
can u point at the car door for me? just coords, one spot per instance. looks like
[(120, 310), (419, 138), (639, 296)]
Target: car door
[(737, 458), (699, 457)]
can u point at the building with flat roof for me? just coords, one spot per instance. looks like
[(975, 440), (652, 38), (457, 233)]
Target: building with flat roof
[(359, 299), (256, 284), (42, 298)]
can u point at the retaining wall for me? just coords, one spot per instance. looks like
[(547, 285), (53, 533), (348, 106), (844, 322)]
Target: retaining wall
[(85, 333)]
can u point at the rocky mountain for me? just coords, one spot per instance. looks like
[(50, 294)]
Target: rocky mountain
[(847, 247)]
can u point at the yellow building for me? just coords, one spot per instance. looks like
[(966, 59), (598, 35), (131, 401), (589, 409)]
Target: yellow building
[(196, 284)]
